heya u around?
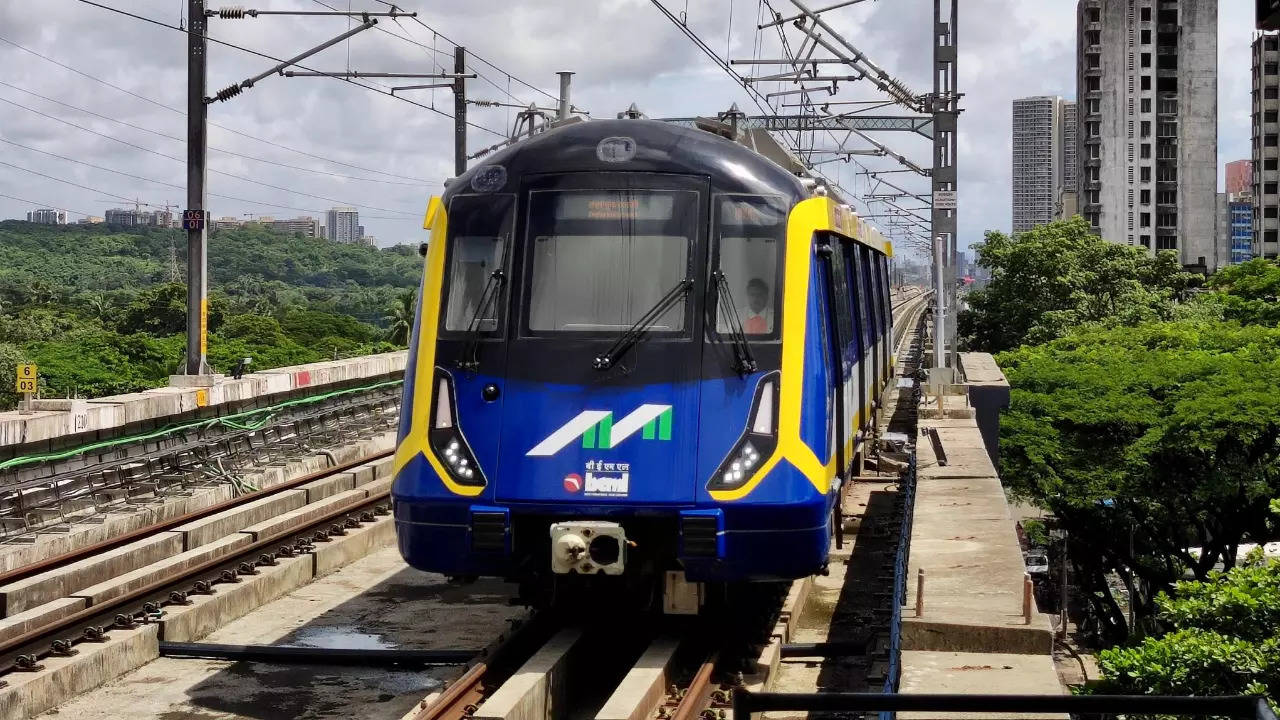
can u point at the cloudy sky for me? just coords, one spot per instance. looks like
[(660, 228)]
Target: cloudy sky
[(297, 146)]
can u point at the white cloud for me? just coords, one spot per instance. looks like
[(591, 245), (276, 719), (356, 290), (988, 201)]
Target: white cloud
[(621, 50)]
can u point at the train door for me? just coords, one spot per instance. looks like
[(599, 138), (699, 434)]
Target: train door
[(744, 324), (879, 298), (862, 315), (876, 322), (470, 350), (886, 311)]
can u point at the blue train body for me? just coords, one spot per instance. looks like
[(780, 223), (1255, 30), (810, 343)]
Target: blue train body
[(579, 360)]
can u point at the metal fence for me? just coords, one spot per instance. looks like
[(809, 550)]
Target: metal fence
[(902, 560), (1245, 707)]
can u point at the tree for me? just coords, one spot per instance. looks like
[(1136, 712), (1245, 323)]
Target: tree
[(1046, 281), (1147, 442), (1223, 638), (400, 319), (1250, 292), (162, 310)]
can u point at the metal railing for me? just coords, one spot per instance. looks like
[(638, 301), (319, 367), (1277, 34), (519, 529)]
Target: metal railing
[(1235, 706)]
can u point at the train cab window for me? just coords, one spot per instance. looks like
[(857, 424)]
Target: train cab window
[(749, 232), (479, 231), (600, 260)]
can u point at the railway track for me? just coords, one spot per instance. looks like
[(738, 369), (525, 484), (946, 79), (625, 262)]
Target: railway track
[(212, 566), (684, 673)]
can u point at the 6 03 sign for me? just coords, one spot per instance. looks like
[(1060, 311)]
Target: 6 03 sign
[(27, 378)]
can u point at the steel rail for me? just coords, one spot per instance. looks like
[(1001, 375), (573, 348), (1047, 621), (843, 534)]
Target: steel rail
[(462, 696), (71, 556), (698, 695), (158, 586)]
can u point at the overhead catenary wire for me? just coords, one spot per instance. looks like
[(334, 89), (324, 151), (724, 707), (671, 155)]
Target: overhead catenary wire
[(38, 203), (216, 172), (76, 184), (173, 185), (226, 128), (267, 56), (224, 151)]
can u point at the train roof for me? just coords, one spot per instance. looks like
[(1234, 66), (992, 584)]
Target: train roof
[(657, 147), (643, 145)]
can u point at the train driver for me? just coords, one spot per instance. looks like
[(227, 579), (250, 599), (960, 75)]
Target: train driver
[(759, 319)]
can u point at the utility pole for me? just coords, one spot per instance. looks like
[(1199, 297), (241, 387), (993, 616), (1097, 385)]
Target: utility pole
[(459, 111), (194, 219), (946, 109)]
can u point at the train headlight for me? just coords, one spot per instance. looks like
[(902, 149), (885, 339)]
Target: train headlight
[(757, 441), (447, 441)]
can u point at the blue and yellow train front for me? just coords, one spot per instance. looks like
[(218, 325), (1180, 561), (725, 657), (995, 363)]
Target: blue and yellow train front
[(532, 447)]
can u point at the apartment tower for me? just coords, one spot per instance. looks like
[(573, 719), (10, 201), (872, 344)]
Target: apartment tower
[(1039, 160), (1148, 124), (1266, 146)]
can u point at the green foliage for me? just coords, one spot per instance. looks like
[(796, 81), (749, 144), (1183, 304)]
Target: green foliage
[(1037, 533), (1192, 662), (1243, 602), (1224, 639), (91, 305), (253, 329), (400, 318), (162, 310), (1057, 277), (1147, 442), (310, 326), (1248, 292)]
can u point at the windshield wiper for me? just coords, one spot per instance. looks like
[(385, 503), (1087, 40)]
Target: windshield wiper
[(743, 361), (470, 358), (638, 331)]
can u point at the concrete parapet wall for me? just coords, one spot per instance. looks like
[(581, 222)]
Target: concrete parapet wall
[(101, 418)]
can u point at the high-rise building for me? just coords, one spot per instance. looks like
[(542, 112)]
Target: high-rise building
[(1240, 212), (1148, 92), (1037, 160), (1239, 177), (1266, 146), (47, 216), (139, 218), (304, 226), (343, 225), (1070, 154)]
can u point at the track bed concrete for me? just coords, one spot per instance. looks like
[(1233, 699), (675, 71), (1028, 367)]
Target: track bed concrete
[(375, 602)]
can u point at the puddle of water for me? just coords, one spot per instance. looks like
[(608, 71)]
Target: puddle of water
[(340, 637), (403, 683)]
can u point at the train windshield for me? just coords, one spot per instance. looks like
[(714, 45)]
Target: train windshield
[(749, 236), (479, 233), (602, 259)]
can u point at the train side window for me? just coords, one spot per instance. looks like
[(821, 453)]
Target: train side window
[(885, 311), (862, 311), (750, 230), (840, 283), (869, 288), (877, 285), (479, 234)]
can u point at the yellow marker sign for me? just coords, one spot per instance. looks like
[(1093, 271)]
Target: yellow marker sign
[(27, 378), (204, 327)]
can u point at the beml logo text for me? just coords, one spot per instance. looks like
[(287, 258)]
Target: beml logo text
[(608, 485), (573, 483)]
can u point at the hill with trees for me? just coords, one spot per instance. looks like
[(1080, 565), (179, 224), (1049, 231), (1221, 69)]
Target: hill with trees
[(96, 306)]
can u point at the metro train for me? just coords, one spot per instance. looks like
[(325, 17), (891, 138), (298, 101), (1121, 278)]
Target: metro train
[(645, 358)]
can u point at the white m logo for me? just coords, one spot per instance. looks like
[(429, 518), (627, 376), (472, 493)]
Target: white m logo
[(597, 429)]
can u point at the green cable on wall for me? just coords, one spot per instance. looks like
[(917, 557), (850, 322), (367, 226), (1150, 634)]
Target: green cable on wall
[(227, 420)]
